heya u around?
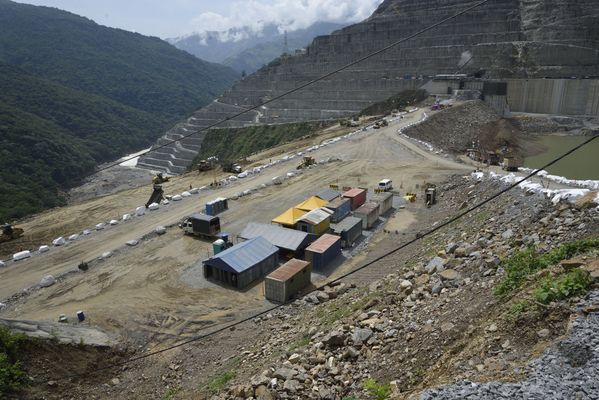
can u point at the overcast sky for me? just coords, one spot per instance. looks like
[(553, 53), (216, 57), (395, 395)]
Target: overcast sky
[(171, 18)]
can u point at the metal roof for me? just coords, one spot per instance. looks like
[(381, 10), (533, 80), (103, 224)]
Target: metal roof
[(203, 217), (316, 216), (288, 270), (328, 194), (346, 224), (353, 192), (323, 243), (283, 238), (367, 208), (289, 217), (336, 203), (243, 256)]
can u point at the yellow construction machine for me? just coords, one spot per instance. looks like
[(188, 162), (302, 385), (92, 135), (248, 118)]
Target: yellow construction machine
[(9, 233), (306, 162)]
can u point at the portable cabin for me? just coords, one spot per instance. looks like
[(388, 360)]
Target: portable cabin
[(357, 197), (341, 207), (315, 222), (328, 194), (350, 229), (217, 206), (289, 218), (287, 280), (288, 241), (384, 200), (311, 203), (243, 263), (323, 251), (368, 213)]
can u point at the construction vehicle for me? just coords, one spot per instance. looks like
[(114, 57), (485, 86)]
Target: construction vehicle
[(229, 166), (430, 194), (9, 233), (306, 162), (201, 225), (511, 163), (385, 185), (157, 193), (204, 165)]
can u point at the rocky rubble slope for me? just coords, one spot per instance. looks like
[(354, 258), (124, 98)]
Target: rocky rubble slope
[(434, 318)]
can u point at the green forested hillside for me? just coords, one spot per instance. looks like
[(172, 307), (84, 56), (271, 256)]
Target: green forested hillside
[(74, 94)]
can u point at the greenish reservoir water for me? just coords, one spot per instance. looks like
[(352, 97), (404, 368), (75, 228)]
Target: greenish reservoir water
[(582, 164)]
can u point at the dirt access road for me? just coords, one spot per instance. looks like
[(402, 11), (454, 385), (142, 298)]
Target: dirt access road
[(151, 291)]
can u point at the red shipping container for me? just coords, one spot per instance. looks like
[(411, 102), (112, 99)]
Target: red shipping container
[(357, 197)]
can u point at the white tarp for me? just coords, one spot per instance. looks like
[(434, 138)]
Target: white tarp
[(185, 194), (44, 249), (113, 222), (100, 226), (21, 255), (73, 237), (177, 197), (132, 242), (126, 217), (161, 230), (59, 241), (139, 211), (47, 281), (154, 206)]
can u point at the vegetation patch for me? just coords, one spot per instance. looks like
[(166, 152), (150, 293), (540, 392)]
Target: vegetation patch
[(12, 376), (237, 143), (379, 391), (562, 286), (523, 263), (397, 102), (219, 381)]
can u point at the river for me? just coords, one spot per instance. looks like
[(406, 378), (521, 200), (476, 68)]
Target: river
[(582, 164)]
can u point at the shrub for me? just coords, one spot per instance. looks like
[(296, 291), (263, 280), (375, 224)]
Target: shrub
[(12, 376), (572, 283), (379, 390)]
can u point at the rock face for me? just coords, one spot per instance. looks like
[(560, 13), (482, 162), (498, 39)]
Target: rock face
[(503, 38)]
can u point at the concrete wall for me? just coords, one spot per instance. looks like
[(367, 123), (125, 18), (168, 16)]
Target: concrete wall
[(554, 96)]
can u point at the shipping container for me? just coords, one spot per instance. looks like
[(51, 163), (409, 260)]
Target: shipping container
[(315, 222), (357, 197), (328, 194), (243, 263), (368, 213), (341, 207), (287, 280), (384, 200), (289, 241), (323, 251), (350, 230)]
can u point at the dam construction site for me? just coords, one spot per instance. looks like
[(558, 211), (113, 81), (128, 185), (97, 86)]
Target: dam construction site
[(335, 229)]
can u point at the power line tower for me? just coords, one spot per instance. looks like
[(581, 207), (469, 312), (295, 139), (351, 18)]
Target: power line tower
[(285, 43)]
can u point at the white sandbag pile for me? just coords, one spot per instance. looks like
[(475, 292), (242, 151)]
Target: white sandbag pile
[(73, 237), (139, 211), (47, 281), (87, 232), (2, 265), (161, 230), (164, 202), (44, 249), (132, 243), (100, 226), (21, 255), (185, 194), (177, 197), (126, 217), (154, 206), (105, 255), (194, 191), (59, 241), (113, 222)]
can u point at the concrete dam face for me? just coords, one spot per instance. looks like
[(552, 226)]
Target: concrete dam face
[(501, 39)]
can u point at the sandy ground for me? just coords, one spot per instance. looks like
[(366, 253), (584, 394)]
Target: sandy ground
[(139, 292)]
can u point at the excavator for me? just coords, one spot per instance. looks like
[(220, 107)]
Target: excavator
[(306, 162), (9, 232), (158, 193)]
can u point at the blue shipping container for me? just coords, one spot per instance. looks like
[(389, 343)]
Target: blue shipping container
[(341, 208), (323, 251)]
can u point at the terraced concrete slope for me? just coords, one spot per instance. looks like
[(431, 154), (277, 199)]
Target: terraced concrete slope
[(503, 38)]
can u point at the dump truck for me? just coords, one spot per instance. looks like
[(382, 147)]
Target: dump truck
[(511, 163), (204, 165), (231, 167), (306, 162), (202, 225), (9, 232), (430, 194)]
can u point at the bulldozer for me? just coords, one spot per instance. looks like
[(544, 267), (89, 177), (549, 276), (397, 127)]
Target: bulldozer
[(9, 233), (306, 162)]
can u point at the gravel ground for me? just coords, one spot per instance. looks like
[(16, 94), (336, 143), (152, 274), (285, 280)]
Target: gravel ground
[(568, 370)]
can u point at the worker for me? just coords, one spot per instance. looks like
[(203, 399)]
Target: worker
[(158, 193)]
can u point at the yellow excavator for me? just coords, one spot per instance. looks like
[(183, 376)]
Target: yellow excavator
[(306, 162), (158, 193), (9, 232)]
